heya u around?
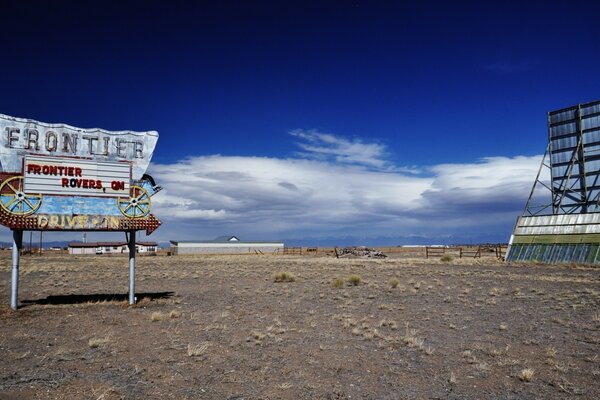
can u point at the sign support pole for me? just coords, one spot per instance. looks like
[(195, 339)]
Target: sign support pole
[(16, 252), (131, 267)]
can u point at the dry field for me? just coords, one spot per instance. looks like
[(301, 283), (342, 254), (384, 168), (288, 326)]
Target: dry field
[(286, 327)]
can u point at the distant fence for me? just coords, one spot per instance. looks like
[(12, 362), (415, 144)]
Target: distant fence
[(292, 250), (465, 251), (497, 251), (310, 251)]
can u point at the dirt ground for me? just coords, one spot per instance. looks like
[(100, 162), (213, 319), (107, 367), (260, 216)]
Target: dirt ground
[(220, 327)]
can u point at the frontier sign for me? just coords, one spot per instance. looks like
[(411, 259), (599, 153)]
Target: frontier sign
[(55, 177), (58, 177)]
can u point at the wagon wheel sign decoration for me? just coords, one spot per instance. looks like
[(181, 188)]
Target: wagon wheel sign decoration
[(138, 204), (14, 201)]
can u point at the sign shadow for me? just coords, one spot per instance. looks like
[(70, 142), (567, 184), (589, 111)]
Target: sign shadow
[(94, 298)]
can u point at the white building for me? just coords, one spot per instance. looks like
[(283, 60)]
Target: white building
[(110, 247), (225, 245)]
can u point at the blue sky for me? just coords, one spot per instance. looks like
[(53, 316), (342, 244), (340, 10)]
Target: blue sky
[(314, 122)]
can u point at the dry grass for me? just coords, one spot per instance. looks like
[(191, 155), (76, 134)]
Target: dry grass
[(197, 350), (283, 276), (98, 342), (104, 393), (388, 323), (354, 280), (452, 379), (156, 316), (338, 283), (526, 374), (143, 302), (235, 333)]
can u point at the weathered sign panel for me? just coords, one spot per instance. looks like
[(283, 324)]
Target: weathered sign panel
[(21, 137), (58, 177)]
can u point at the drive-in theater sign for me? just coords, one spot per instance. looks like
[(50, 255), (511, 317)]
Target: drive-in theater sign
[(54, 177)]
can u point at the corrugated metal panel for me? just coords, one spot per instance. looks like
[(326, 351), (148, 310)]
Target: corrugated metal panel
[(555, 253), (563, 219), (574, 239), (567, 224), (558, 230)]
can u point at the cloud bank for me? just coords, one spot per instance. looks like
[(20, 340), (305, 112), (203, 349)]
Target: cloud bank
[(338, 187)]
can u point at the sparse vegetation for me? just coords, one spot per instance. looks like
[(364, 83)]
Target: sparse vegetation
[(143, 302), (257, 336), (446, 258), (283, 276), (98, 342), (196, 350), (354, 280), (452, 379), (389, 323), (526, 374), (156, 316), (246, 336), (394, 282), (338, 283)]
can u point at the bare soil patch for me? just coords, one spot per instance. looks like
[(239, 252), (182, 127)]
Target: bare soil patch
[(221, 327)]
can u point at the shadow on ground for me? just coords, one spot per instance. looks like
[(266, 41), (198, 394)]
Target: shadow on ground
[(94, 298)]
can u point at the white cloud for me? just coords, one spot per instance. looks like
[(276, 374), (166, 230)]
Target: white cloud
[(285, 188), (325, 146), (493, 189), (333, 191), (336, 188)]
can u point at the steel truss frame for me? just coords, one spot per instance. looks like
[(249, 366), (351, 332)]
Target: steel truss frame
[(569, 193)]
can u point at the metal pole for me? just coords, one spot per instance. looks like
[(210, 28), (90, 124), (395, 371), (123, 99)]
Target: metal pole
[(131, 267), (16, 250)]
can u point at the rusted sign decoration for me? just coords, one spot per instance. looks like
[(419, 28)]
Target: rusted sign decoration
[(55, 177)]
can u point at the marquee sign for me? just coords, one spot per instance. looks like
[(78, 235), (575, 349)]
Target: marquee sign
[(76, 177), (58, 177)]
